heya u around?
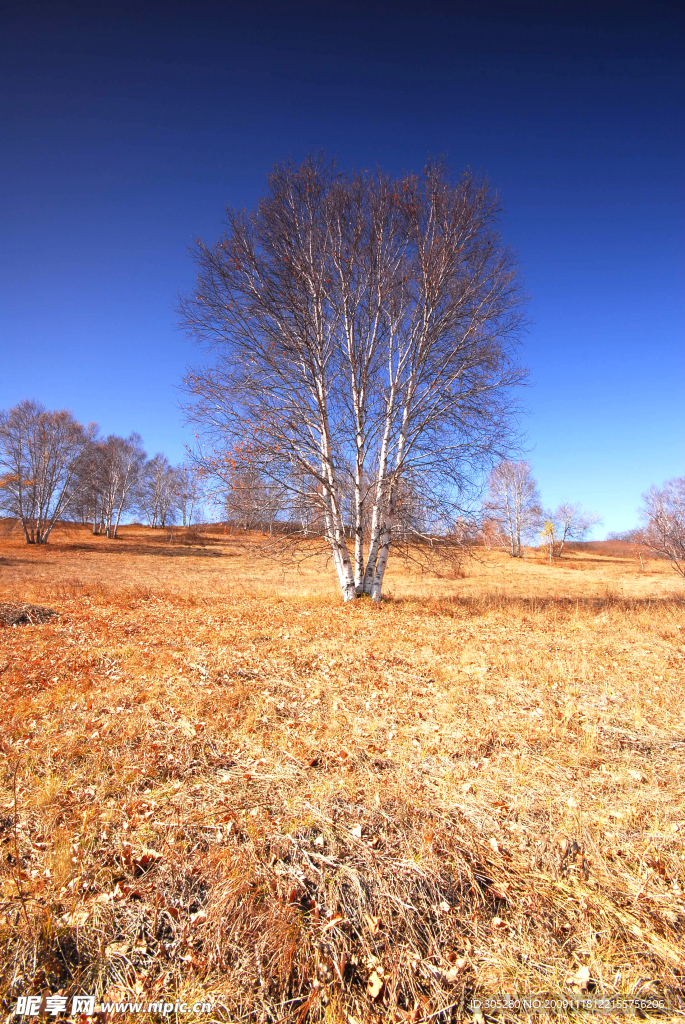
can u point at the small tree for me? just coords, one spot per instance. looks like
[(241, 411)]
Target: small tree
[(121, 465), (40, 455), (513, 504), (548, 536), (86, 502), (570, 521), (663, 513)]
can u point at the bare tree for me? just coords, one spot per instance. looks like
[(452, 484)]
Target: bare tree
[(86, 502), (122, 464), (108, 480), (303, 501), (513, 505), (570, 521), (157, 491), (634, 536), (40, 452), (663, 513), (243, 498), (251, 500), (364, 332), (190, 492)]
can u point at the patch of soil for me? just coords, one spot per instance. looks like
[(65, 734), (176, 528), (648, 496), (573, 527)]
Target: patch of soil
[(24, 614)]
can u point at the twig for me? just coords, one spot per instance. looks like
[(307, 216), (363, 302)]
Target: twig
[(16, 851), (443, 1009)]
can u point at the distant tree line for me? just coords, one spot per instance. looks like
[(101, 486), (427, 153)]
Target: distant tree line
[(54, 468)]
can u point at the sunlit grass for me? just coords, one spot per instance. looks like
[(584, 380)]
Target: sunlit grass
[(229, 783)]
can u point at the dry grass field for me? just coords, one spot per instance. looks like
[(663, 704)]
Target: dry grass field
[(218, 782)]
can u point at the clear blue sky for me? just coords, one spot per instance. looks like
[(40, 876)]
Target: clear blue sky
[(126, 129)]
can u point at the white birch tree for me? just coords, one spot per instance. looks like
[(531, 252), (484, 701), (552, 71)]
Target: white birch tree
[(189, 494), (108, 481), (364, 332), (663, 513), (157, 491), (513, 504), (122, 461), (40, 454), (569, 521)]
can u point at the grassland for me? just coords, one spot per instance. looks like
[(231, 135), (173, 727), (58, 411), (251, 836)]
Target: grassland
[(217, 781)]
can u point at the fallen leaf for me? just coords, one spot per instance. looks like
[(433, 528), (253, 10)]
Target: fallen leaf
[(454, 972), (117, 948), (146, 858), (77, 919), (374, 986), (374, 923), (581, 978), (334, 921)]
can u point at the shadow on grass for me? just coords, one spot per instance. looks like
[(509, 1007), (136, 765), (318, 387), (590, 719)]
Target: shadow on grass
[(164, 550), (495, 602), (7, 562)]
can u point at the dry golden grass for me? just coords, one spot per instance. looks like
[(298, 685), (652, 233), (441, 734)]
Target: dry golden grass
[(219, 781)]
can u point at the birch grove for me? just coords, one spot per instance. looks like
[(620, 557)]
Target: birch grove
[(364, 335), (110, 479), (40, 455), (53, 468)]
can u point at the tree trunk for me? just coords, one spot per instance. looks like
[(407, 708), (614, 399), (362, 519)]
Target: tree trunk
[(117, 521), (341, 558), (346, 575), (383, 554)]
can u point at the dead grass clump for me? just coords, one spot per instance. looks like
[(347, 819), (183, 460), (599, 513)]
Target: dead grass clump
[(24, 614)]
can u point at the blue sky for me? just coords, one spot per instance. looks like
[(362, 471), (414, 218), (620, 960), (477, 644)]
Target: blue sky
[(126, 131)]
